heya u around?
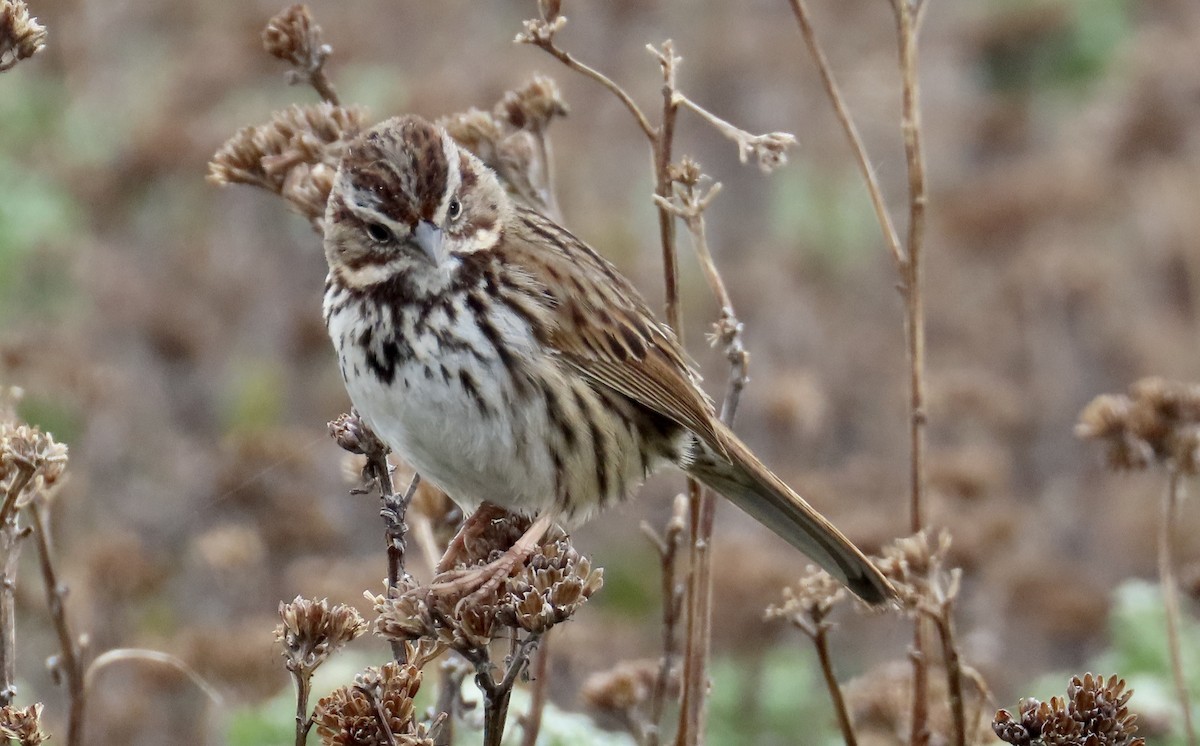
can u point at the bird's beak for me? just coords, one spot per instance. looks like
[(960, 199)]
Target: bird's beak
[(428, 237)]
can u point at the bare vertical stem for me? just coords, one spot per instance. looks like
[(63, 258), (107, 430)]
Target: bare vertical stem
[(10, 547), (1170, 591), (663, 144), (69, 659), (945, 626), (303, 719), (672, 600), (393, 512), (906, 29)]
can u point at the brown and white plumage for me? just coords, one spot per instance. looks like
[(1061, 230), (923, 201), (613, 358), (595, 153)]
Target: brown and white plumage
[(509, 362)]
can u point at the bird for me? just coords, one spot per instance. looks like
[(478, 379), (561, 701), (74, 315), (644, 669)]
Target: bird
[(511, 364)]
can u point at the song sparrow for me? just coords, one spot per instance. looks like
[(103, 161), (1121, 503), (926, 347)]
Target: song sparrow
[(508, 362)]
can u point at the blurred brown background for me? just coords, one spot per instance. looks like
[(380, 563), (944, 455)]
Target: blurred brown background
[(170, 332)]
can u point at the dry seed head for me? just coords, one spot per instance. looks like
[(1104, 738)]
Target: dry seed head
[(915, 566), (1157, 422), (1094, 713), (311, 631), (540, 31), (547, 590), (21, 36), (349, 432), (622, 688), (349, 716), (686, 173), (555, 583), (26, 447), (23, 725), (294, 37), (807, 603), (295, 154), (532, 106), (770, 150)]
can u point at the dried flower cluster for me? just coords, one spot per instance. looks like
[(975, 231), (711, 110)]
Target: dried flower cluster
[(30, 461), (21, 36), (1157, 422), (295, 155), (23, 725), (511, 139), (916, 566), (547, 590), (293, 36), (540, 31), (622, 688), (807, 603), (377, 710), (1094, 713), (313, 630)]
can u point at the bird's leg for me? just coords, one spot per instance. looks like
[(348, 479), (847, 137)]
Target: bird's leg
[(473, 527), (476, 583)]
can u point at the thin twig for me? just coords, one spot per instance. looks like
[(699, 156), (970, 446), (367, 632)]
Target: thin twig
[(944, 621), (541, 35), (906, 30), (532, 722), (770, 149), (1170, 591), (10, 547), (691, 205), (69, 661), (820, 638), (890, 235), (393, 512), (117, 655), (672, 600)]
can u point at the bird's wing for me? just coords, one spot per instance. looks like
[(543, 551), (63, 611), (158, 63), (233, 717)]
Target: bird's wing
[(603, 328)]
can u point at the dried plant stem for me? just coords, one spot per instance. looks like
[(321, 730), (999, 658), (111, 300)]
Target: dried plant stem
[(393, 511), (303, 717), (944, 621), (449, 697), (672, 600), (323, 86), (890, 235), (910, 114), (1170, 591), (908, 265), (532, 722), (116, 655), (820, 635), (10, 547), (496, 694), (729, 333), (565, 57), (69, 663)]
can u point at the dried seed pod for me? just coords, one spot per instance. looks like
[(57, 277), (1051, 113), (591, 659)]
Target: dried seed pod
[(312, 630)]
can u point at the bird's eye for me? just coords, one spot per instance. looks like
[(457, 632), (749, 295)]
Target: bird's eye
[(454, 209), (379, 232)]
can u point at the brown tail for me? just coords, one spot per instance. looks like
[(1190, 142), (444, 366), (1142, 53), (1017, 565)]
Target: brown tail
[(740, 476)]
